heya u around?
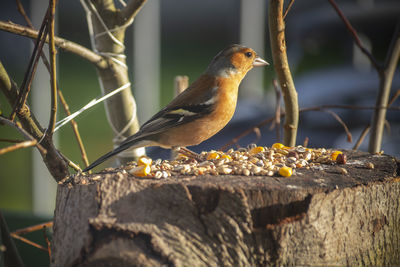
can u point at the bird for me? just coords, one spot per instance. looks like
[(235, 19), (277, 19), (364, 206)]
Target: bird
[(201, 110)]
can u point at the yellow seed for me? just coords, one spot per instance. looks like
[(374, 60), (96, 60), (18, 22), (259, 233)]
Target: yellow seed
[(256, 150), (278, 145), (224, 156), (212, 155), (335, 154), (141, 171), (286, 171), (144, 161)]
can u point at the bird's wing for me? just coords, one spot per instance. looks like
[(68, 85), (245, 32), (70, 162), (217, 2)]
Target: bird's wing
[(184, 108)]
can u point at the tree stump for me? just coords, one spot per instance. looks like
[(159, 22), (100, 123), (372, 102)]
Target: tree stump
[(316, 217)]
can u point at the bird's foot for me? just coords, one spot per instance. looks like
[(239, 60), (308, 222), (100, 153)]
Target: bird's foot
[(189, 153)]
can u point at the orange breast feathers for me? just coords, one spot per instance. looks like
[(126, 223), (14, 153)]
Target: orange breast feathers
[(225, 99)]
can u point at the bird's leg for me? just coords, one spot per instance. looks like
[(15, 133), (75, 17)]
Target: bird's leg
[(188, 153)]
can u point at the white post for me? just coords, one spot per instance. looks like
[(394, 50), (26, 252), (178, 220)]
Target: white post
[(252, 34), (44, 186), (146, 60)]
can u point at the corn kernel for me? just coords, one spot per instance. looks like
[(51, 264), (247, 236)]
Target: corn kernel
[(144, 161), (256, 150), (278, 145), (141, 171), (213, 155), (225, 156), (335, 154), (286, 171)]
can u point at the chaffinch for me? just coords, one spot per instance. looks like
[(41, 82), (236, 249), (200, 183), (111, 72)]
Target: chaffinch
[(200, 111)]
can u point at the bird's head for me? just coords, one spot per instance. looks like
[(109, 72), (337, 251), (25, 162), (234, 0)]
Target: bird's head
[(234, 60)]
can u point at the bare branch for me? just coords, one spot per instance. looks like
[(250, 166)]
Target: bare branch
[(107, 37), (22, 144), (33, 228), (394, 97), (368, 127), (346, 129), (362, 136), (31, 70), (66, 45), (21, 10), (27, 241), (10, 140), (53, 72), (74, 125), (288, 8), (281, 65), (386, 78), (355, 36), (51, 157)]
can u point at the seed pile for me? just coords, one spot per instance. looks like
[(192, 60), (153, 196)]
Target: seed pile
[(253, 160)]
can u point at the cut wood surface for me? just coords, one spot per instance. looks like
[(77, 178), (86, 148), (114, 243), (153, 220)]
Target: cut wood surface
[(336, 215)]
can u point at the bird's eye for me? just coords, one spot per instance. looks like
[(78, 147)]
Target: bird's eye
[(249, 54)]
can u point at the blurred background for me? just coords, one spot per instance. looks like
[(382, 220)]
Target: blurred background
[(177, 37)]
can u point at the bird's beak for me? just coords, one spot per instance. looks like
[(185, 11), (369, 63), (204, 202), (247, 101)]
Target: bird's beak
[(259, 62)]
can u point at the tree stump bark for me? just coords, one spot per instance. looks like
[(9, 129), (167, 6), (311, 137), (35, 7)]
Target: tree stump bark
[(317, 217)]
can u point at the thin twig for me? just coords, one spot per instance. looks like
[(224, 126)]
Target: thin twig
[(346, 129), (23, 132), (129, 12), (362, 137), (70, 163), (66, 45), (288, 8), (74, 125), (21, 10), (23, 239), (53, 72), (22, 144), (31, 70), (388, 127), (33, 228), (16, 234), (48, 243), (394, 97), (10, 140), (355, 35)]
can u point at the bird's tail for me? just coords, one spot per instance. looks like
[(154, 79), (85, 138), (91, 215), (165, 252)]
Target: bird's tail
[(125, 145)]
